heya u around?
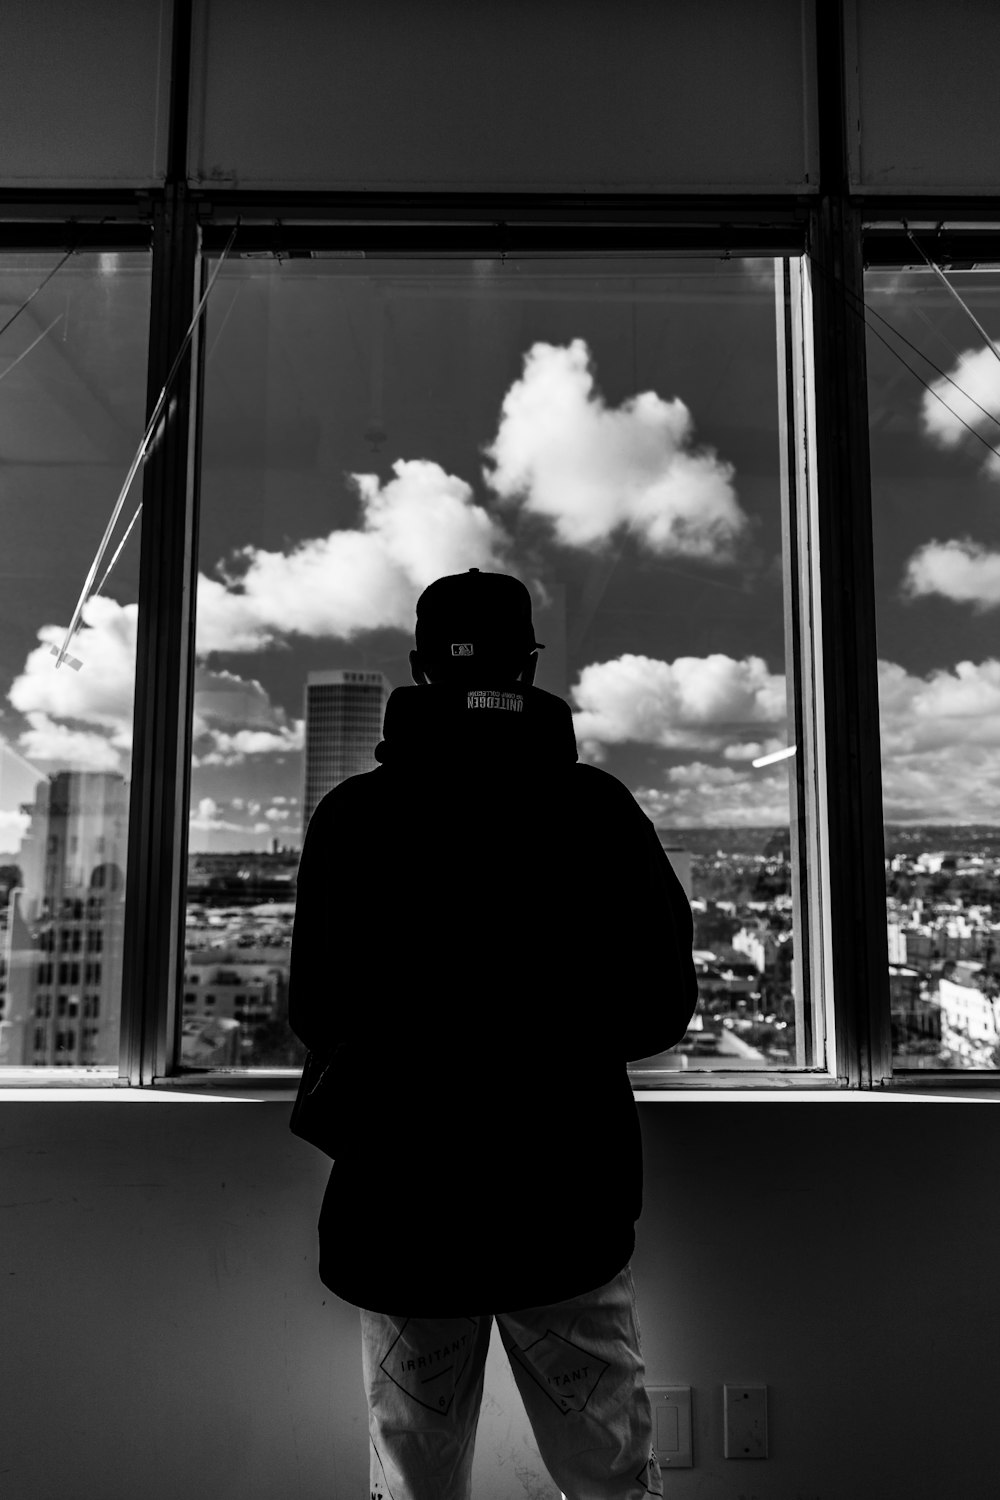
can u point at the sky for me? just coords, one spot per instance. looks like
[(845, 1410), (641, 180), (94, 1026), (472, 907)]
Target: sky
[(607, 432)]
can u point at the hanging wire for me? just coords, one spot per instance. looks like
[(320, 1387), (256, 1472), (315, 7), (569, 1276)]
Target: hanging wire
[(943, 278), (860, 311), (25, 352), (9, 749), (927, 359), (222, 326), (985, 442), (937, 333), (34, 294), (141, 452), (128, 530)]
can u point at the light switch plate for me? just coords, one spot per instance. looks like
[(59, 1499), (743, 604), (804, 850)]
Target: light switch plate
[(746, 1421), (671, 1425)]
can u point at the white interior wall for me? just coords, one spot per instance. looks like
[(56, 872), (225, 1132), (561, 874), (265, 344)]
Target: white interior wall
[(575, 95), (83, 92), (165, 1333), (922, 95), (568, 95)]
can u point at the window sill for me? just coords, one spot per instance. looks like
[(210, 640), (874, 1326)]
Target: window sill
[(53, 1094), (281, 1087), (893, 1094)]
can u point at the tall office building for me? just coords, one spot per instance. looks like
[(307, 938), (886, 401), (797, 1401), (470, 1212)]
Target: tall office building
[(65, 925), (343, 713)]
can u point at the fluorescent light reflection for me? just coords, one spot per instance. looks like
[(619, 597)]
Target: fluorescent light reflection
[(768, 760)]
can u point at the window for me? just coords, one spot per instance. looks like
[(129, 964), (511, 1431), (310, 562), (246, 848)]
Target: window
[(73, 372), (347, 397), (610, 429), (934, 399)]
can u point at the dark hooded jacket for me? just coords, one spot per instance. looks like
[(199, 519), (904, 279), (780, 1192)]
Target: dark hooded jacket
[(486, 931)]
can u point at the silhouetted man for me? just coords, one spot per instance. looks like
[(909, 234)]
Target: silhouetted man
[(486, 931)]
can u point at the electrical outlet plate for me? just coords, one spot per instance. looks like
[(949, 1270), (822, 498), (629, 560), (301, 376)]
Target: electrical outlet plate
[(671, 1425), (746, 1421)]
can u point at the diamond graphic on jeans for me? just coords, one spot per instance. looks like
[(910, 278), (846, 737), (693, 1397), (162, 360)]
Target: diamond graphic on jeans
[(566, 1373), (649, 1475), (429, 1370)]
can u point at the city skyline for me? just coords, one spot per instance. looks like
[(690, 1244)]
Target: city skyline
[(63, 925)]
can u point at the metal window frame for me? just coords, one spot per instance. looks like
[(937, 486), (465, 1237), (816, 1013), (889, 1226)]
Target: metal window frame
[(575, 233), (958, 235), (802, 590), (182, 230)]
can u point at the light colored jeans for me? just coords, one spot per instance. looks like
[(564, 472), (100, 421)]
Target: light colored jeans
[(579, 1370)]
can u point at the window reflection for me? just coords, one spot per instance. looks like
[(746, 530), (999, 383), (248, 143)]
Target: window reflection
[(934, 404), (608, 430), (72, 388)]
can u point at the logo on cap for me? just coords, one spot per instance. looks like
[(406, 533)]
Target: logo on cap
[(462, 648)]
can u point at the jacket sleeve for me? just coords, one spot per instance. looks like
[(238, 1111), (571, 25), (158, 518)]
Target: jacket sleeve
[(663, 985), (314, 1014)]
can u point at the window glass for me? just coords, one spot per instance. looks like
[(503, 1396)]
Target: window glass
[(606, 429), (934, 403), (72, 400)]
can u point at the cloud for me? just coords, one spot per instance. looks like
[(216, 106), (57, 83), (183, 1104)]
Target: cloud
[(942, 786), (82, 749), (207, 817), (940, 743), (13, 827), (948, 708), (222, 700), (81, 719), (973, 399), (964, 571), (691, 703), (697, 795), (99, 695), (233, 749), (234, 717), (560, 451), (421, 524), (84, 719), (590, 469), (750, 750)]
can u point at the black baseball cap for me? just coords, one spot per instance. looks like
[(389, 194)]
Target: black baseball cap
[(474, 617)]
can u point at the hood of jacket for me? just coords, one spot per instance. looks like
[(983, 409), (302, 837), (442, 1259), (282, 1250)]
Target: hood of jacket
[(444, 725)]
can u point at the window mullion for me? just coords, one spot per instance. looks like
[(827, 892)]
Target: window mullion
[(811, 982), (158, 807), (858, 942)]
